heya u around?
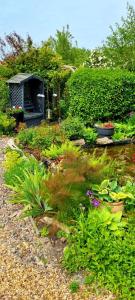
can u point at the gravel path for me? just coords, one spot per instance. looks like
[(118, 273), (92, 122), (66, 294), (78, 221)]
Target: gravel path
[(29, 265)]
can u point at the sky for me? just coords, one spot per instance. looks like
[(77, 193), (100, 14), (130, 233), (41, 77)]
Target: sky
[(89, 20)]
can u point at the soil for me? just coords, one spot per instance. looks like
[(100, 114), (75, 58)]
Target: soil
[(30, 265)]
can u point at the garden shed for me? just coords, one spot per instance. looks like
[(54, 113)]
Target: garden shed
[(27, 91)]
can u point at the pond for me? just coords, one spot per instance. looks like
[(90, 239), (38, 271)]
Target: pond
[(122, 153)]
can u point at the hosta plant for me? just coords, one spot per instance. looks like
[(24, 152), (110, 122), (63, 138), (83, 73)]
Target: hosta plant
[(111, 191)]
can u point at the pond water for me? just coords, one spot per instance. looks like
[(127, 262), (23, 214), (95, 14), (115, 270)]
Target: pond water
[(122, 153)]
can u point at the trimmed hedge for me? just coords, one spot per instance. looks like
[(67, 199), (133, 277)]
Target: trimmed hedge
[(4, 95), (99, 94)]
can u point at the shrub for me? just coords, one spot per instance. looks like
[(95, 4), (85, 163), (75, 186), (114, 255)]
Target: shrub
[(72, 127), (124, 130), (89, 135), (15, 165), (67, 187), (55, 151), (7, 124), (103, 167), (100, 94), (109, 256), (40, 137), (4, 95), (30, 190)]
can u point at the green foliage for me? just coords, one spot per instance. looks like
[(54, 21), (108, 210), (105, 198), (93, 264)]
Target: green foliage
[(120, 45), (63, 44), (89, 279), (5, 71), (15, 164), (4, 95), (44, 231), (41, 136), (90, 135), (12, 158), (111, 191), (131, 120), (31, 192), (124, 130), (55, 151), (72, 127), (110, 257), (25, 176), (99, 94), (74, 286), (7, 124), (102, 167), (130, 202)]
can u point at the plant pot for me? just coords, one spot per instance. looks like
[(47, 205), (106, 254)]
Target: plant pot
[(116, 206), (102, 131), (19, 117)]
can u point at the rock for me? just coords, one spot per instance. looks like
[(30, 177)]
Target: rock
[(104, 141), (80, 142), (63, 239)]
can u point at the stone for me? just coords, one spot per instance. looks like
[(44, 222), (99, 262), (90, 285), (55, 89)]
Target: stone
[(104, 141), (80, 142)]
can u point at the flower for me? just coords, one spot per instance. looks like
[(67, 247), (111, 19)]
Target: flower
[(89, 193), (95, 202)]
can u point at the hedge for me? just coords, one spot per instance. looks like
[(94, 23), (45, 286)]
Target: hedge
[(99, 94), (4, 95)]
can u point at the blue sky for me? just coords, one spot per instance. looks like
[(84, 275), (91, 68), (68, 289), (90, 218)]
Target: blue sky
[(89, 20)]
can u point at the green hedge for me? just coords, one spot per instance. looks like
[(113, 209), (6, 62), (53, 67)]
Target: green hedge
[(4, 95), (99, 94)]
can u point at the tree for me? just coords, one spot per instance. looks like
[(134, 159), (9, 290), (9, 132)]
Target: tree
[(120, 45), (63, 44), (13, 44)]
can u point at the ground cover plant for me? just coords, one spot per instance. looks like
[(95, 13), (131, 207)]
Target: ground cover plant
[(103, 244), (41, 137), (7, 124), (124, 130)]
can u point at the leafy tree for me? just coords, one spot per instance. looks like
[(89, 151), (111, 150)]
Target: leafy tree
[(63, 43), (120, 45)]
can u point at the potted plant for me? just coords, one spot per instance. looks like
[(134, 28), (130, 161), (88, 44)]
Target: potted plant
[(110, 193), (105, 129), (18, 113)]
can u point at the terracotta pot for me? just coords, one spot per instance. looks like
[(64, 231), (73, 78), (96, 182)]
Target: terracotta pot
[(116, 206)]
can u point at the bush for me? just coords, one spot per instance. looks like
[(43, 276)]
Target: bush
[(124, 130), (15, 165), (109, 256), (72, 127), (100, 94), (26, 178), (55, 151), (4, 95), (89, 135), (7, 124), (41, 137)]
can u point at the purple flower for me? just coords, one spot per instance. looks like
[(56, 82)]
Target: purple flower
[(89, 193), (95, 202)]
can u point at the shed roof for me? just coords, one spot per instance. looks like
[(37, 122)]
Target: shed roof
[(22, 77)]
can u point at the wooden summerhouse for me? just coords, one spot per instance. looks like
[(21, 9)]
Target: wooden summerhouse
[(27, 91)]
